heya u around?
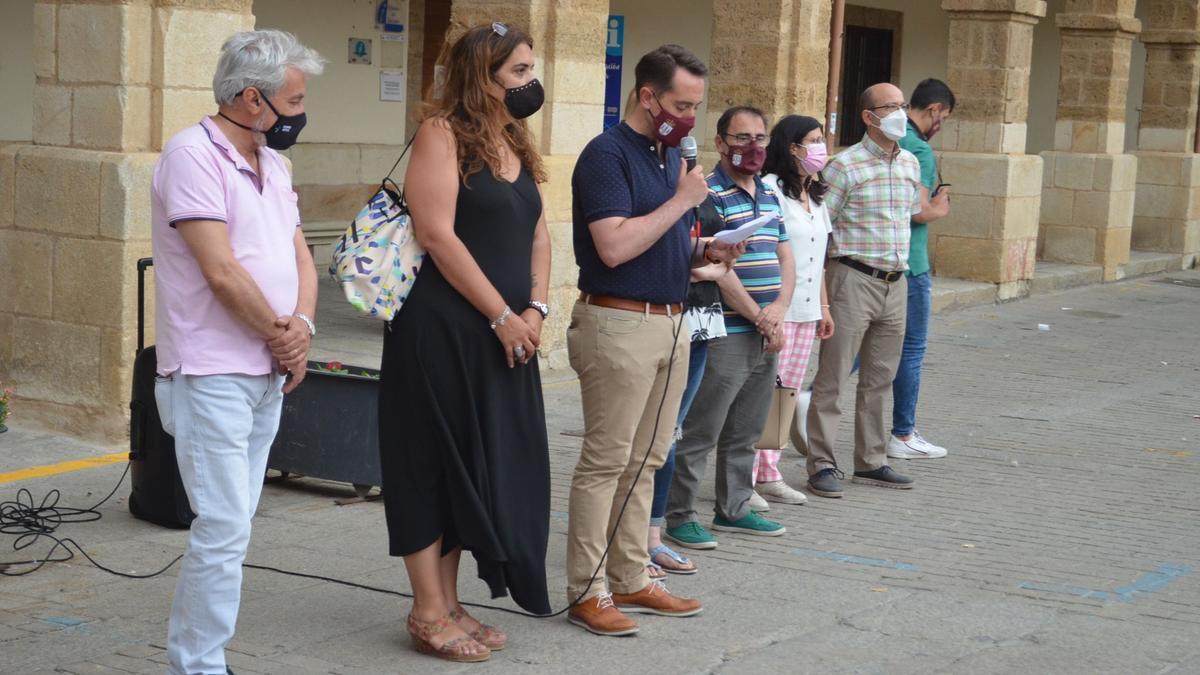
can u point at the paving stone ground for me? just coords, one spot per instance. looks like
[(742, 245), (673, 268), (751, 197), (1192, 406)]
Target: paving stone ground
[(1061, 535)]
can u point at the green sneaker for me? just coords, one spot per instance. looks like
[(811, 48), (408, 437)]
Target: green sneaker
[(691, 535), (751, 523)]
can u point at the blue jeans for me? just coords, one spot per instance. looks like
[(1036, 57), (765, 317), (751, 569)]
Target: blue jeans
[(907, 385), (662, 477)]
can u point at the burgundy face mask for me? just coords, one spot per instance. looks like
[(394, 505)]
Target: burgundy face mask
[(747, 159), (669, 129)]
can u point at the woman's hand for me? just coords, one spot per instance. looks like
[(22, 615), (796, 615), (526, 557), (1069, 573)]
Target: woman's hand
[(535, 320), (516, 332), (825, 325)]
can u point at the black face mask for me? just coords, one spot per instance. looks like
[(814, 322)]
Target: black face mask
[(285, 132), (524, 100)]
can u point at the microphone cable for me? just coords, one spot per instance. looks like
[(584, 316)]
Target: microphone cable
[(30, 522)]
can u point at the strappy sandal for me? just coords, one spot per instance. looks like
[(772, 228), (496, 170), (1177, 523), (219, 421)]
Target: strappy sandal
[(655, 571), (681, 564), (422, 631), (489, 636)]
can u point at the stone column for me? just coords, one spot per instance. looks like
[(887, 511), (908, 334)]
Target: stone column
[(1167, 210), (568, 45), (114, 78), (991, 232), (772, 54), (1087, 204)]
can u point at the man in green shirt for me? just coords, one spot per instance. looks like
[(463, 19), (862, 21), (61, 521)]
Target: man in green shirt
[(931, 103)]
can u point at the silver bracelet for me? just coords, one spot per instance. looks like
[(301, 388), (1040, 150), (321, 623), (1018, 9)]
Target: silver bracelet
[(502, 318), (312, 329)]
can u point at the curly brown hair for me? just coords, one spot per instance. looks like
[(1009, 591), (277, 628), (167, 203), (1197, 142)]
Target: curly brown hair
[(473, 114)]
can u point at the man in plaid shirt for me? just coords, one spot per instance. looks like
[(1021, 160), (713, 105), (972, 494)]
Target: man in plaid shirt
[(874, 190)]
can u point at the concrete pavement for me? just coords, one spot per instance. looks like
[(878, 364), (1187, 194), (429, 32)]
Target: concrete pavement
[(1062, 534)]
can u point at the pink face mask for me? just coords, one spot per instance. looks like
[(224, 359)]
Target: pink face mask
[(816, 155)]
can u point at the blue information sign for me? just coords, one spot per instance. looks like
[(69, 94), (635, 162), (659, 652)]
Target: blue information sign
[(612, 70)]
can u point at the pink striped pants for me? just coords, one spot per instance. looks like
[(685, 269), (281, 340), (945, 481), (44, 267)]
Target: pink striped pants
[(798, 339)]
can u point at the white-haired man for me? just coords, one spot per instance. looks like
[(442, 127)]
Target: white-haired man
[(235, 294)]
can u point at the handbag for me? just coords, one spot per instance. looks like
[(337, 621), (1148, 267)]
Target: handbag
[(779, 419), (377, 259)]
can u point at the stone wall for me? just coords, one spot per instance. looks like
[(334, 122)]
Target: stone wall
[(114, 79), (991, 232)]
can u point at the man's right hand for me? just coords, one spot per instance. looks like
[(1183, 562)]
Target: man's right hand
[(941, 203), (692, 188)]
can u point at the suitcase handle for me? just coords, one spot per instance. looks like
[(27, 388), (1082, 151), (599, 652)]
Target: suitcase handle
[(142, 264)]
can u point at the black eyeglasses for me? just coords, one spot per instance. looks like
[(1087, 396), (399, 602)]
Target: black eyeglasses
[(746, 139), (891, 107), (499, 28)]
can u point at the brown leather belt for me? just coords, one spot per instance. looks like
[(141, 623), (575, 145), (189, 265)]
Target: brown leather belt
[(630, 305)]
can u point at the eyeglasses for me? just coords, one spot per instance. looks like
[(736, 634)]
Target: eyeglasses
[(746, 139), (891, 107), (499, 28)]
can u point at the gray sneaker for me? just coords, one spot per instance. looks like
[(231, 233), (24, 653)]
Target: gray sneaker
[(826, 484), (884, 476)]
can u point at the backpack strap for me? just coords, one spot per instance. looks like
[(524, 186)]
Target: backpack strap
[(402, 154)]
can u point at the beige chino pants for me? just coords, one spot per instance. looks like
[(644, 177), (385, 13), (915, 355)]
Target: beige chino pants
[(622, 360), (868, 316)]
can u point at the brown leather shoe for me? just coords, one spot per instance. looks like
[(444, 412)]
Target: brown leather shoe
[(598, 615), (656, 599)]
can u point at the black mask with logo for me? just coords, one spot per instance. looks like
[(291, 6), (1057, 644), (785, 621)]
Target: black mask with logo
[(285, 131)]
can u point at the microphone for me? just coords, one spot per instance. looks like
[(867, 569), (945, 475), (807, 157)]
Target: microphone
[(687, 148)]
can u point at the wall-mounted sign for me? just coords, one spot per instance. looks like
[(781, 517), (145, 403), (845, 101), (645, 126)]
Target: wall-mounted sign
[(612, 70), (360, 51), (391, 15), (391, 85)]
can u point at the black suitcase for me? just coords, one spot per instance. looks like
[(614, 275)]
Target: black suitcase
[(157, 494)]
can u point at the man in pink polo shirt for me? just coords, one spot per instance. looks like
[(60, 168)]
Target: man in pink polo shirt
[(236, 291)]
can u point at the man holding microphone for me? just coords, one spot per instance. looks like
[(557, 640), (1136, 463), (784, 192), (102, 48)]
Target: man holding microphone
[(634, 200)]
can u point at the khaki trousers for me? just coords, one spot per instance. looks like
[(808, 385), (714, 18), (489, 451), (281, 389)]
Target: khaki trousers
[(629, 407), (868, 316)]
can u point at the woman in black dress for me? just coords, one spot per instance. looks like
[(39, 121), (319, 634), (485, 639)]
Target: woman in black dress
[(462, 430)]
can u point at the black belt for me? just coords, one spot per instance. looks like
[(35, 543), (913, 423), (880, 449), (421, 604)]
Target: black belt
[(887, 277)]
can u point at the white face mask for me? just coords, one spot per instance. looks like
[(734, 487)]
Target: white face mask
[(894, 125)]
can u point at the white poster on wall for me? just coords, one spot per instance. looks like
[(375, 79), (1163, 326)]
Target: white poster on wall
[(391, 85)]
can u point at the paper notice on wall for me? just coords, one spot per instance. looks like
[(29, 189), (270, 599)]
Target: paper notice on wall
[(391, 85)]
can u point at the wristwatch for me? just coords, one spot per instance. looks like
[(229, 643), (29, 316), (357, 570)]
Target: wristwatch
[(541, 307), (312, 328)]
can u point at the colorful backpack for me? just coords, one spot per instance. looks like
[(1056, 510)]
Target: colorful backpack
[(377, 260)]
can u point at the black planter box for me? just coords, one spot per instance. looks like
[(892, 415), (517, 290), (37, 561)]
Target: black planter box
[(329, 427)]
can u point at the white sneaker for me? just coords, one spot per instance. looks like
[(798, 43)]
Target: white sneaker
[(779, 491), (758, 504), (914, 448)]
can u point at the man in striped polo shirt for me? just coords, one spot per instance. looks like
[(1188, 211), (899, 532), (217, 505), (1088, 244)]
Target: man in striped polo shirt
[(874, 190), (734, 399)]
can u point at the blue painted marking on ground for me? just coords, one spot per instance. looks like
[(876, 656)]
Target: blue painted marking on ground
[(63, 620), (1147, 583), (855, 560)]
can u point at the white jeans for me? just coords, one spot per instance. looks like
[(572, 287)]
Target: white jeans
[(223, 427)]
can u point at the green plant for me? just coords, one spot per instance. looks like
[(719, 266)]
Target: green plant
[(5, 396)]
